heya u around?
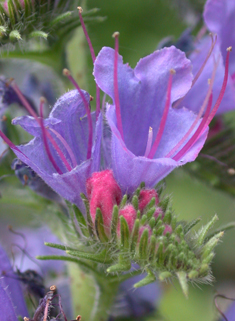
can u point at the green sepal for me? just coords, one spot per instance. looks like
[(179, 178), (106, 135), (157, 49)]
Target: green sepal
[(80, 219), (204, 230), (143, 219), (3, 31), (123, 201), (123, 265), (190, 225), (60, 18), (15, 35), (167, 217), (150, 278), (12, 12), (58, 246), (143, 245), (223, 228), (101, 257), (38, 34), (135, 236), (125, 234), (3, 14), (135, 202), (90, 224), (152, 248), (211, 244), (150, 213), (193, 274), (114, 223), (182, 277), (99, 226), (164, 275), (165, 203)]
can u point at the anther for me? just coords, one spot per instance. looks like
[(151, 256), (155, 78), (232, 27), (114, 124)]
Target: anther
[(26, 319), (231, 171), (78, 318), (80, 9), (115, 34), (53, 288), (4, 118), (149, 142), (91, 98), (229, 48)]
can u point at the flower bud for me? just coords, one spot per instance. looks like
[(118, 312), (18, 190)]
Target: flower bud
[(145, 197), (129, 213), (103, 192)]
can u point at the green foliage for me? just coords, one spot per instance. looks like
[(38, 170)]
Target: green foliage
[(51, 20)]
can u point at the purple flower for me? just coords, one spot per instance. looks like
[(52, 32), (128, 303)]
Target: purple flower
[(149, 137), (219, 17), (11, 297), (230, 313), (62, 153)]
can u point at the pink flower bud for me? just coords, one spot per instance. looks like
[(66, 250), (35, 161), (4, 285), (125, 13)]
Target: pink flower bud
[(158, 212), (168, 228), (145, 197), (5, 4), (129, 213), (103, 192)]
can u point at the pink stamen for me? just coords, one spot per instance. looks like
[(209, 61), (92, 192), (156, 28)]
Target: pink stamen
[(213, 42), (93, 59), (66, 73), (32, 113), (44, 137), (9, 142), (164, 116), (67, 147), (222, 91), (115, 82), (197, 133), (149, 142), (184, 138)]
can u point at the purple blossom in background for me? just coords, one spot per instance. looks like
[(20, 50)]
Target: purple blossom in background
[(219, 17), (68, 126), (11, 296), (143, 93)]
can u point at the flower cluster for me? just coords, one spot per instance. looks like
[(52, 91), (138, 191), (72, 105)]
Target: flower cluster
[(98, 160)]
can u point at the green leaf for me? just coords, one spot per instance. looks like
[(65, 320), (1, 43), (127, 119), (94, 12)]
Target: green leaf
[(150, 278), (204, 230), (101, 257), (38, 34), (182, 277)]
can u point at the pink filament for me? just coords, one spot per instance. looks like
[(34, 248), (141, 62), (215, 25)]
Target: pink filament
[(183, 139), (88, 112), (67, 147), (9, 142), (222, 91), (93, 59), (149, 142), (197, 133), (213, 42), (163, 120), (115, 82), (32, 112), (44, 137)]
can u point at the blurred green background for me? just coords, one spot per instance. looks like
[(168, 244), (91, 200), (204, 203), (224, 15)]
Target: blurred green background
[(142, 24)]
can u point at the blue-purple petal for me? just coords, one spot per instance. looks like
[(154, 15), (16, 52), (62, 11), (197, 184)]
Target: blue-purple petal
[(6, 306), (69, 120), (142, 91)]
